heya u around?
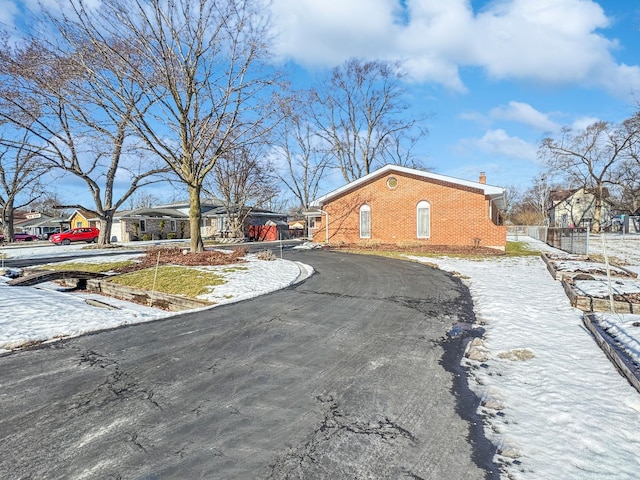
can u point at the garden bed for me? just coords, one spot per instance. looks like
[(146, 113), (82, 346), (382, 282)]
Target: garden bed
[(164, 301), (592, 295), (563, 267)]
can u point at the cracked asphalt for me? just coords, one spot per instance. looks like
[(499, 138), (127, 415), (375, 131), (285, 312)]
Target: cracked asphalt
[(348, 375)]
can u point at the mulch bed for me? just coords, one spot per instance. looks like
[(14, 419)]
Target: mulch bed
[(435, 249), (180, 256)]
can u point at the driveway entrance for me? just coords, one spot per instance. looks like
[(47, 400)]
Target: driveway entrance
[(348, 375)]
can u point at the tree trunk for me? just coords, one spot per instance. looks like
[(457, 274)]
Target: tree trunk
[(106, 223), (195, 215), (7, 221), (597, 212)]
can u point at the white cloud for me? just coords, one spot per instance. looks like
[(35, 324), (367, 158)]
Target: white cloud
[(551, 40), (581, 123), (525, 114), (555, 42), (498, 142), (327, 33)]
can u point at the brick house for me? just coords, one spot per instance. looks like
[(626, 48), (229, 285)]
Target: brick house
[(400, 205)]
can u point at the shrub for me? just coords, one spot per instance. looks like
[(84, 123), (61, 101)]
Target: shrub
[(172, 235), (147, 236), (410, 244), (369, 243), (266, 255)]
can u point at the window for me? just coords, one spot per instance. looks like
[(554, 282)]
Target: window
[(365, 221), (423, 218), (143, 225), (172, 225)]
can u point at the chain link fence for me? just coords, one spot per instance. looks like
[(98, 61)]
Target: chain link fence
[(572, 240)]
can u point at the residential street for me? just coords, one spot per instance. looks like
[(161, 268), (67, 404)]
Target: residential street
[(350, 374)]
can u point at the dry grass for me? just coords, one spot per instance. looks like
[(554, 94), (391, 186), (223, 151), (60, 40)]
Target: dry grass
[(519, 355), (172, 279), (103, 267), (422, 249)]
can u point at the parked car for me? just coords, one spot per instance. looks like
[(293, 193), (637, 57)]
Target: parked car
[(81, 234), (46, 235), (24, 237)]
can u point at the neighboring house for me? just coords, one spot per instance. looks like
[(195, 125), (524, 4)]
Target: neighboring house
[(261, 230), (575, 207), (151, 223), (172, 221), (216, 218), (41, 225), (297, 228), (83, 218), (400, 205)]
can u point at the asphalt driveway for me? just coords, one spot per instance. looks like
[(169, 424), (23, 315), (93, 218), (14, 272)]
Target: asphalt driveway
[(349, 375)]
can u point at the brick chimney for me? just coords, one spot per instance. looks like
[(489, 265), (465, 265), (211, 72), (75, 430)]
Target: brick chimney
[(483, 178)]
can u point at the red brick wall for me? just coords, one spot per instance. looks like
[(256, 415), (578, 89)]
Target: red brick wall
[(459, 215)]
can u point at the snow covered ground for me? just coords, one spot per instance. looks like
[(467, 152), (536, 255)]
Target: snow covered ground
[(552, 402), (44, 313)]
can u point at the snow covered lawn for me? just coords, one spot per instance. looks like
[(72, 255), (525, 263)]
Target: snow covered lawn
[(552, 402), (43, 312)]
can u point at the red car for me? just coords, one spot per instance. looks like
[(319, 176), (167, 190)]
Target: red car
[(82, 234)]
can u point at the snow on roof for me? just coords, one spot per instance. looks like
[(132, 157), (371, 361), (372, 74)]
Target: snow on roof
[(496, 193)]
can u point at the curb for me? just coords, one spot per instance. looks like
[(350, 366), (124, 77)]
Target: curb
[(305, 272)]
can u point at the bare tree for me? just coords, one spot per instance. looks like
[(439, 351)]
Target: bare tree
[(77, 102), (627, 176), (588, 158), (537, 197), (513, 195), (142, 199), (242, 181), (201, 65), (358, 111), (301, 150), (20, 173)]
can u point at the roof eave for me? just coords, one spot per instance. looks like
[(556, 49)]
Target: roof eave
[(489, 190)]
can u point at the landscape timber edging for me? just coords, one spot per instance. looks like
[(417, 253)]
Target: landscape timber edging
[(623, 363), (165, 301)]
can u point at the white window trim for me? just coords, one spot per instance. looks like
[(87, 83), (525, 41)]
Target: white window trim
[(364, 208), (423, 205)]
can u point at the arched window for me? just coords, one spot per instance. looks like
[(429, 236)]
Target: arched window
[(423, 219), (365, 221)]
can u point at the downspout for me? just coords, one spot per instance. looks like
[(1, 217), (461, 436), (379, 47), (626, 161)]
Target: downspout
[(326, 226)]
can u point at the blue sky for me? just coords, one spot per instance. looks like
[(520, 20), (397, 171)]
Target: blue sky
[(495, 77)]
